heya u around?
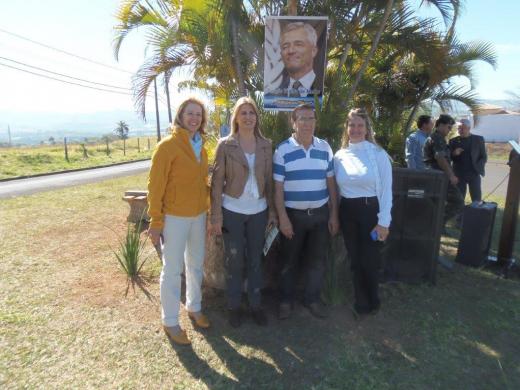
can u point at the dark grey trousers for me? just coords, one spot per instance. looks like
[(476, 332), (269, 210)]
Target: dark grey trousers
[(472, 181), (310, 240), (243, 242)]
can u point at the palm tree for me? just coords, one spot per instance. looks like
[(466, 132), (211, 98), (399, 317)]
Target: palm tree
[(212, 39), (122, 130)]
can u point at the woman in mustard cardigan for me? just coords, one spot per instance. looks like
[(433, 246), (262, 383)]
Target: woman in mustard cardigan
[(177, 204)]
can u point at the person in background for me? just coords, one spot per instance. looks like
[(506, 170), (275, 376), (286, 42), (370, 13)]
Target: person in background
[(415, 142), (177, 205), (242, 206), (305, 198), (437, 155), (468, 152), (363, 173)]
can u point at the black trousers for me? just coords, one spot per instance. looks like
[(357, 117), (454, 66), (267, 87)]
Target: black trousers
[(358, 217), (311, 234), (473, 181)]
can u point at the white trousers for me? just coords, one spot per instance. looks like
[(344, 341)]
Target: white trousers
[(183, 245)]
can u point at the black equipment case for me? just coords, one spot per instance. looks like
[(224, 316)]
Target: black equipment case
[(477, 230)]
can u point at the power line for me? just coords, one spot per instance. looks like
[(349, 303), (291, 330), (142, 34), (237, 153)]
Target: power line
[(64, 75), (73, 83), (65, 81), (64, 52)]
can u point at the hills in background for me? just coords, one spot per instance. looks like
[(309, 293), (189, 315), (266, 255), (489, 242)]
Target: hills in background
[(33, 128)]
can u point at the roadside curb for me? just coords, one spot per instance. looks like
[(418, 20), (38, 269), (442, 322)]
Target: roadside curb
[(72, 170)]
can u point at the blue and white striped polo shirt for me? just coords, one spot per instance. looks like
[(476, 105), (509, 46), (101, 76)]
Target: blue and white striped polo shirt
[(303, 172)]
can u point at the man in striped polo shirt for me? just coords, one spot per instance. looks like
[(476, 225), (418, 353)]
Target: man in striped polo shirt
[(306, 201)]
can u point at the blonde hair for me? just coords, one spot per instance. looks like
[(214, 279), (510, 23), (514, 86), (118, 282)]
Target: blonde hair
[(238, 105), (361, 113), (178, 117)]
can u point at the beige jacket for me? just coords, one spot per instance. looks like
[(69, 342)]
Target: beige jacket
[(230, 173)]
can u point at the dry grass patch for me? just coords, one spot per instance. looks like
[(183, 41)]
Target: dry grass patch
[(65, 321)]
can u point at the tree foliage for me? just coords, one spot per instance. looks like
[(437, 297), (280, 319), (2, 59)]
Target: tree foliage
[(122, 130), (381, 56)]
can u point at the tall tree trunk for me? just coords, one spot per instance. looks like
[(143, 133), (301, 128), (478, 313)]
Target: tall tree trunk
[(236, 55), (414, 110), (157, 110), (355, 23), (167, 75), (368, 58)]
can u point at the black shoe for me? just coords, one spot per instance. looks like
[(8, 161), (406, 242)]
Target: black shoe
[(284, 311), (317, 310), (235, 318), (259, 317), (375, 309), (359, 313)]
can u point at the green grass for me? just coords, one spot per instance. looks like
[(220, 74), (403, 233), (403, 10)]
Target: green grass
[(498, 151), (65, 320), (22, 161)]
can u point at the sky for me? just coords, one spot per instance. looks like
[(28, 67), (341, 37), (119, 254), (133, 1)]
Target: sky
[(85, 28)]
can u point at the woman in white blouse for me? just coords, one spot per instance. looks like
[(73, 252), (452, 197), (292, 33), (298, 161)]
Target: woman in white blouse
[(364, 177), (242, 205)]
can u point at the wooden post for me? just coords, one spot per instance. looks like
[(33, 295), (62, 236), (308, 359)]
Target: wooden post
[(292, 10), (66, 151), (148, 139), (124, 146), (509, 220), (292, 7), (138, 146), (108, 149)]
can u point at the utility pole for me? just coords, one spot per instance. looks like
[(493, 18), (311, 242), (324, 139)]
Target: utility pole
[(157, 111)]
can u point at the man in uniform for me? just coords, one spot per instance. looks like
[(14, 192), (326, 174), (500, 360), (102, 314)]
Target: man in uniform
[(437, 155)]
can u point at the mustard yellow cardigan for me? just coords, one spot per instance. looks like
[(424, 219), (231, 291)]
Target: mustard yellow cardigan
[(178, 182)]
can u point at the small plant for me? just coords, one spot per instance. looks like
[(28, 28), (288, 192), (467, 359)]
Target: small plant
[(131, 250)]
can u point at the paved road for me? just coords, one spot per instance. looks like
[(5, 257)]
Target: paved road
[(495, 172), (9, 189)]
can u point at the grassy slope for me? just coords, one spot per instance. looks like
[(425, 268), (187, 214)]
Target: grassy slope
[(65, 321), (23, 161)]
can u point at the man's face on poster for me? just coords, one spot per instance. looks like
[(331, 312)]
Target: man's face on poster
[(298, 52)]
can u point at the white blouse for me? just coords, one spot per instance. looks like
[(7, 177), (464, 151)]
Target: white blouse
[(249, 202), (364, 170)]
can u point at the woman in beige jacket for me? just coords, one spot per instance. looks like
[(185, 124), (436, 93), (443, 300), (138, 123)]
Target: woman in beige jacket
[(242, 205)]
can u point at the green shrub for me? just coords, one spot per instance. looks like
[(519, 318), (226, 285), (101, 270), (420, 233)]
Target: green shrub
[(131, 250)]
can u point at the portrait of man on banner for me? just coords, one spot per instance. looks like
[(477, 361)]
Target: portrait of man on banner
[(295, 55)]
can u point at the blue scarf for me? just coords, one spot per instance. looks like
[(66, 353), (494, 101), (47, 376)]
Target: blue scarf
[(196, 144)]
